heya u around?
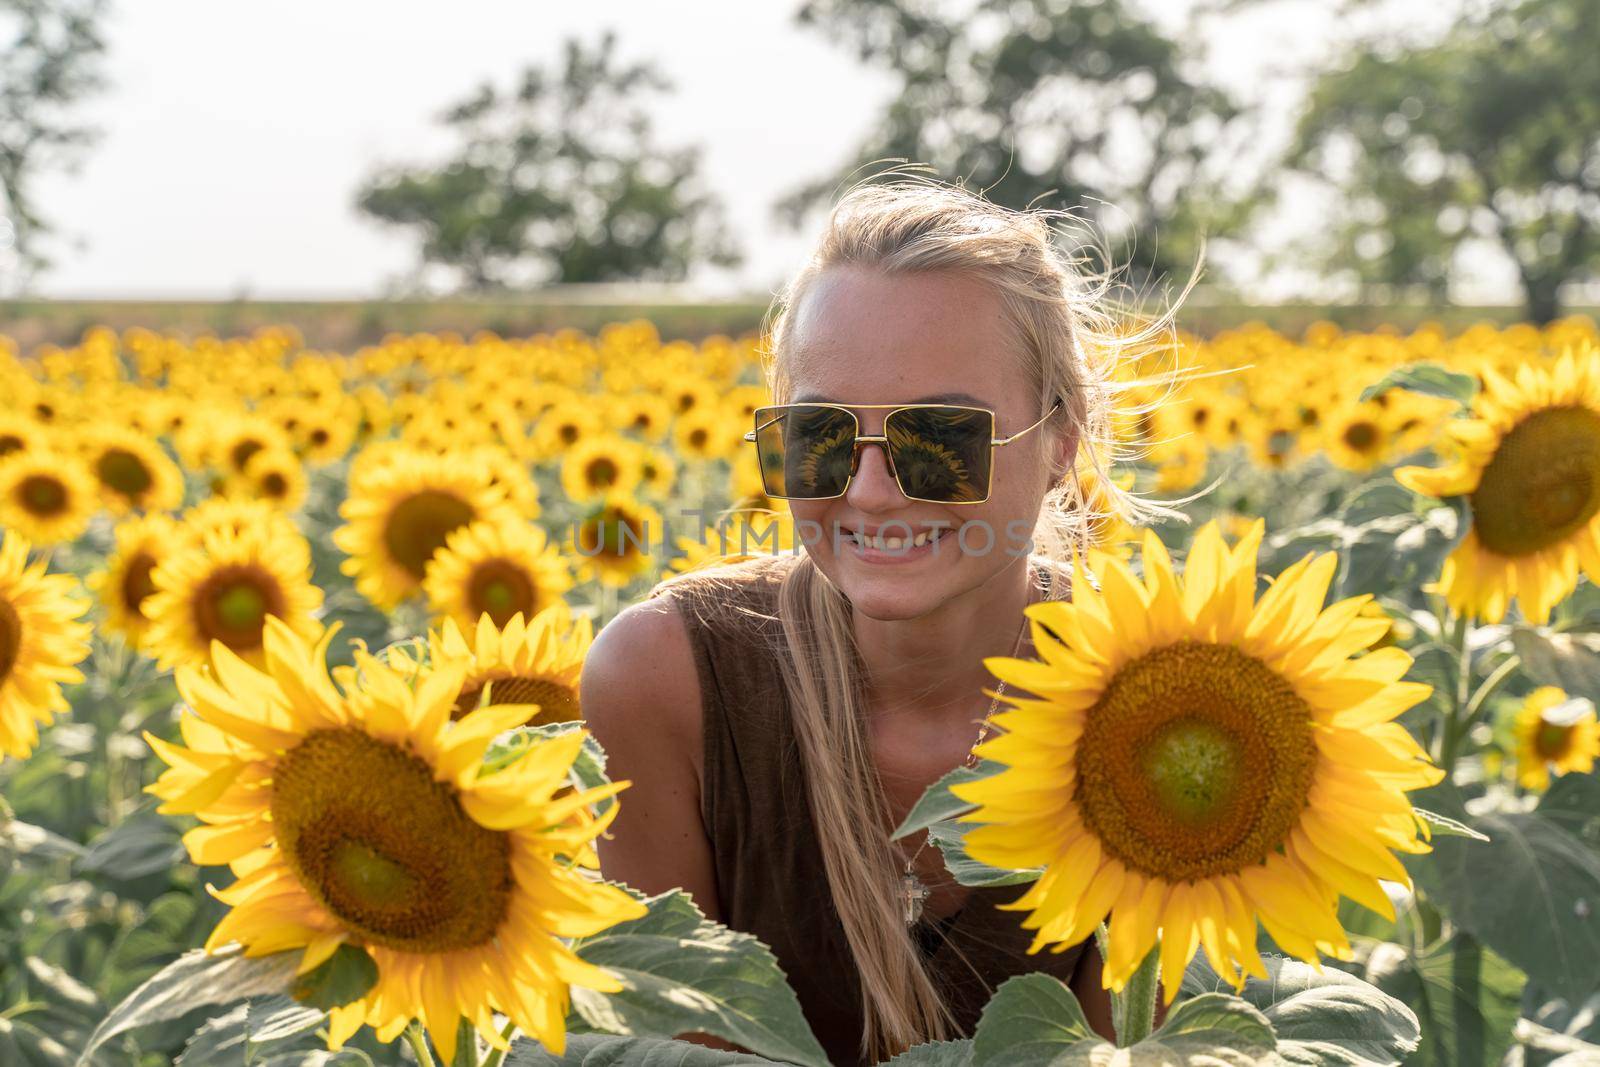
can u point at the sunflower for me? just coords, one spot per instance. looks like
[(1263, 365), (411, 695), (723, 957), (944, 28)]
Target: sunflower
[(235, 436), (658, 471), (704, 433), (505, 472), (273, 475), (498, 569), (599, 464), (124, 585), (614, 540), (134, 473), (222, 586), (1554, 734), (537, 663), (399, 513), (744, 534), (645, 414), (19, 434), (1197, 759), (1528, 462), (1359, 437), (563, 425), (359, 816), (46, 496), (41, 644)]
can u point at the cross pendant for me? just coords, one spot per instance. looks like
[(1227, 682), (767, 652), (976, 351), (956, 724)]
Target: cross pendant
[(912, 894)]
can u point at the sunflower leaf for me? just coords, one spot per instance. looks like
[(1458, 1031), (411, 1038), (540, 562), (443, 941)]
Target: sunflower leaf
[(682, 973), (1568, 660), (1033, 1019), (614, 1050), (339, 979), (1443, 825), (935, 1054), (1429, 379), (193, 980), (938, 803), (950, 839)]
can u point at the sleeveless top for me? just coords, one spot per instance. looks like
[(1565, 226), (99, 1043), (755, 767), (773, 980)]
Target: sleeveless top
[(768, 862)]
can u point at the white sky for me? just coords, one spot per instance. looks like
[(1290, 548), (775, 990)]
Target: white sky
[(235, 134)]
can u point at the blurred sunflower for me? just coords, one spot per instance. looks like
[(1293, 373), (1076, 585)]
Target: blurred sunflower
[(737, 536), (646, 414), (704, 433), (1528, 462), (19, 434), (658, 471), (1358, 437), (233, 437), (613, 541), (360, 816), (221, 586), (506, 473), (1554, 734), (398, 515), (562, 426), (46, 496), (276, 476), (1197, 759), (498, 569), (42, 642), (122, 588), (134, 472), (599, 464)]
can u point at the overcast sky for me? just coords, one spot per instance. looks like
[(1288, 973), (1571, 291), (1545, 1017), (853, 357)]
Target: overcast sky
[(236, 133)]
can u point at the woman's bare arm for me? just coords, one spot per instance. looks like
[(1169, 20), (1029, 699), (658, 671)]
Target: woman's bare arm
[(641, 700)]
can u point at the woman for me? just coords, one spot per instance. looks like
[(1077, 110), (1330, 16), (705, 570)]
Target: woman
[(779, 716)]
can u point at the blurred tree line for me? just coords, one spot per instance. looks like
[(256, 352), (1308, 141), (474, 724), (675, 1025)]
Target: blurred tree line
[(1485, 136)]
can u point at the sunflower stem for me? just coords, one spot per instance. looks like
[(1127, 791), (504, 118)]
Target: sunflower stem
[(496, 1055), (1455, 726), (1134, 1009), (417, 1038)]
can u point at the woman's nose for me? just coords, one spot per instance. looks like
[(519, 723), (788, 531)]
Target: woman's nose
[(873, 488)]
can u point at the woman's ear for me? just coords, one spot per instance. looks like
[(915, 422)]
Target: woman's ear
[(1065, 452)]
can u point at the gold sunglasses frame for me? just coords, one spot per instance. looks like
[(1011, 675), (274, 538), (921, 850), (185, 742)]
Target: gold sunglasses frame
[(880, 439)]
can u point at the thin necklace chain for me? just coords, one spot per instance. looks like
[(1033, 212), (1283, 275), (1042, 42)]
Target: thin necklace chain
[(913, 890)]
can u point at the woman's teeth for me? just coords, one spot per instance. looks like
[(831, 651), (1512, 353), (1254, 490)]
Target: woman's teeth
[(884, 543)]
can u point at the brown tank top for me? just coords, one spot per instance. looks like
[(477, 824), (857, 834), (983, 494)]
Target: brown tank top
[(769, 869)]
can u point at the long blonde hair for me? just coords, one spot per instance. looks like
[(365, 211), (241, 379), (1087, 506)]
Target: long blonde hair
[(1064, 326)]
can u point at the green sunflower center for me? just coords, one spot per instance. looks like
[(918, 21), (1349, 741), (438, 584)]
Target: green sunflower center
[(124, 473), (1196, 761), (1543, 483), (557, 702), (501, 588), (10, 638), (418, 525), (387, 849), (233, 603)]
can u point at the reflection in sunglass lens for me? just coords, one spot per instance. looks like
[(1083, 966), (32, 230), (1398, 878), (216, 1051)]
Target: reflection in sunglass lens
[(941, 453), (805, 450)]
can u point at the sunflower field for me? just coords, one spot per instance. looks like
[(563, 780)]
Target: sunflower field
[(294, 770)]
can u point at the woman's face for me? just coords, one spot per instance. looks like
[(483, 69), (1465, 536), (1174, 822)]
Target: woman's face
[(864, 337)]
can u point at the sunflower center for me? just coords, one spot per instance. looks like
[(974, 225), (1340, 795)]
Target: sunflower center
[(10, 638), (1543, 483), (418, 526), (42, 495), (557, 702), (610, 533), (232, 606), (124, 473), (1551, 740), (136, 583), (568, 434), (387, 849), (502, 589), (1361, 436), (241, 453), (1196, 761), (9, 443), (602, 473)]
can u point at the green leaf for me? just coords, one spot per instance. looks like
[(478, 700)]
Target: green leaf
[(1573, 802), (1529, 892), (682, 973), (139, 845), (1430, 379), (612, 1050), (1398, 551), (36, 846), (270, 1024), (1470, 1000), (1568, 660), (935, 1054), (193, 980), (1443, 825), (937, 803), (950, 839), (342, 977), (1325, 1017), (1033, 1019), (1212, 1028)]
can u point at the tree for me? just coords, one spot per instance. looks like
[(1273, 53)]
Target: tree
[(557, 181), (1491, 133), (50, 61), (1088, 105)]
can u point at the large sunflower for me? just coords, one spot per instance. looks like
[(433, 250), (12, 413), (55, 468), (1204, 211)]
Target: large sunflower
[(360, 816), (1197, 759), (41, 644), (222, 586), (498, 569), (124, 585), (1528, 461), (399, 514), (1554, 734), (46, 496)]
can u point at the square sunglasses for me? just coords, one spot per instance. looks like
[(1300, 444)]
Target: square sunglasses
[(938, 453)]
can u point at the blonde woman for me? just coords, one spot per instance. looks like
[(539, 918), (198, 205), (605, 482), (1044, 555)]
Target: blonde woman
[(938, 368)]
